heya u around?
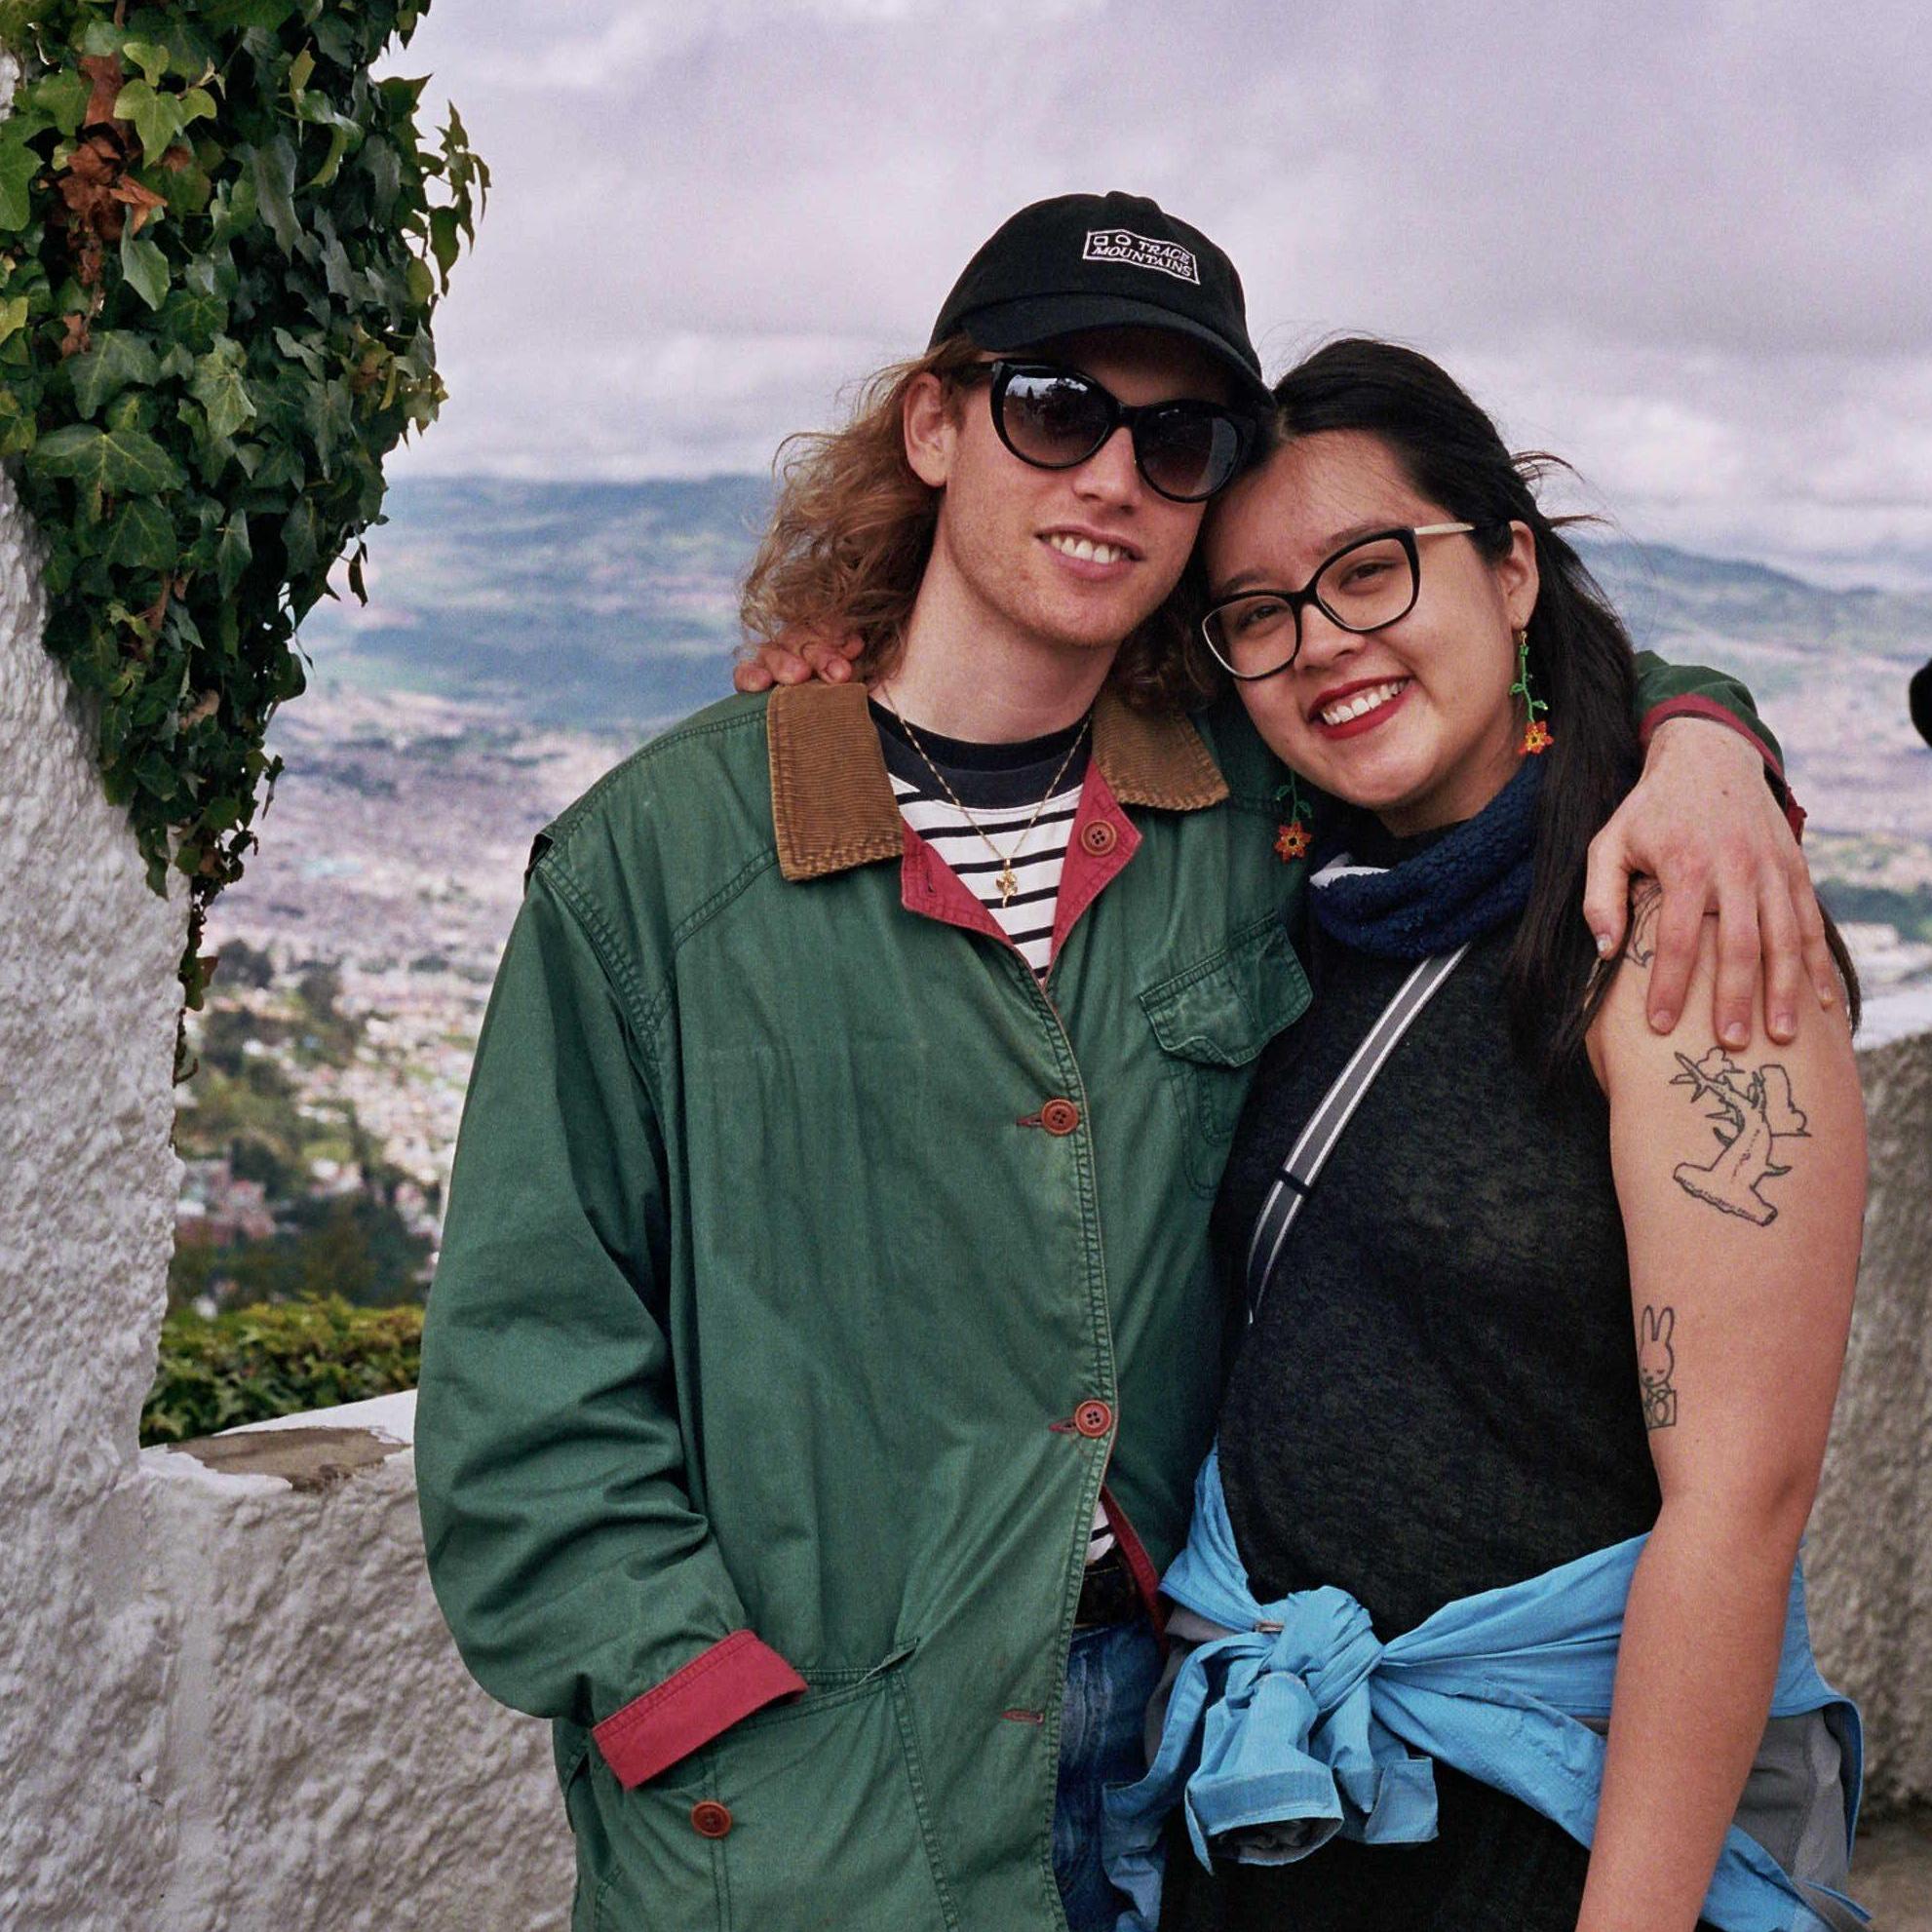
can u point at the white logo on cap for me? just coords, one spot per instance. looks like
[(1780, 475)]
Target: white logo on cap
[(1141, 252)]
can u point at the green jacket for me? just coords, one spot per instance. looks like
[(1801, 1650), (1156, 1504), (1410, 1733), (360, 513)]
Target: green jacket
[(807, 1271)]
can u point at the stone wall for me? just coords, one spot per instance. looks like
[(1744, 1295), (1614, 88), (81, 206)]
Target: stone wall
[(88, 1006), (1868, 1556), (330, 1763)]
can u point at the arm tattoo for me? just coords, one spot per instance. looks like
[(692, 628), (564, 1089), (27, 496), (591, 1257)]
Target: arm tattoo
[(1753, 1113), (1656, 1364), (1641, 947)]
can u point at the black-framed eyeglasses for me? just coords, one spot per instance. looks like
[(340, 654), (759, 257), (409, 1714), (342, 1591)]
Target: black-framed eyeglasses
[(1056, 418), (1366, 585)]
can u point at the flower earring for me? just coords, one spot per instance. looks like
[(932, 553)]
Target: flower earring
[(1293, 840), (1535, 733)]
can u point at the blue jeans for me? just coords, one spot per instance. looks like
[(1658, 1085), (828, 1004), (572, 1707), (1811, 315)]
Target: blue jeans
[(1110, 1674)]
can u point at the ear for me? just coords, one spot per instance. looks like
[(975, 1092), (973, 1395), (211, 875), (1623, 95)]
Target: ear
[(1517, 575), (932, 430)]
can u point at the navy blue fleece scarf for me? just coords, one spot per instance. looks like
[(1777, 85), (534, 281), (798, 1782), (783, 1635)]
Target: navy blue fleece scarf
[(1434, 895)]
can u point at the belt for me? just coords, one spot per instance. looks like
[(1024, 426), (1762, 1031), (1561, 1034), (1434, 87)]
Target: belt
[(1109, 1593)]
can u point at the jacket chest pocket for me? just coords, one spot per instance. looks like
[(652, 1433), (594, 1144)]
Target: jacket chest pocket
[(1211, 1022)]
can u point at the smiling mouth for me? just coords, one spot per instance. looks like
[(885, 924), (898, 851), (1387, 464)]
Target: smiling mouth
[(1086, 550), (1359, 704)]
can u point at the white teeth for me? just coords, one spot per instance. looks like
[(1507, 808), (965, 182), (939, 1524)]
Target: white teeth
[(1362, 703), (1086, 549)]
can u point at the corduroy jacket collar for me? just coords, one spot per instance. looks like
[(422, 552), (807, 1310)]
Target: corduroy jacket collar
[(832, 804)]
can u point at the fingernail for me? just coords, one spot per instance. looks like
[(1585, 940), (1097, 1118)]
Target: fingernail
[(1604, 945), (1736, 1035), (1662, 1019), (1827, 995), (1783, 1025)]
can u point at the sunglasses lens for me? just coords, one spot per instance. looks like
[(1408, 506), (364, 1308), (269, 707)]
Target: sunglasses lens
[(1054, 418), (1188, 452)]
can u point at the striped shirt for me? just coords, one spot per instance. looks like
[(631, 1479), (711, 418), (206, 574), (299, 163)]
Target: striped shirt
[(1000, 785)]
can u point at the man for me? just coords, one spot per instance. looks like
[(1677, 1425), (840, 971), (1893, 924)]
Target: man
[(824, 1339)]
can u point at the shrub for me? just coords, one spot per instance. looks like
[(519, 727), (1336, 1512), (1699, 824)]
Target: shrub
[(277, 1359), (221, 244)]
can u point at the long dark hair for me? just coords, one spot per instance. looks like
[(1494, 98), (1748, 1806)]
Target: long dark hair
[(1580, 657)]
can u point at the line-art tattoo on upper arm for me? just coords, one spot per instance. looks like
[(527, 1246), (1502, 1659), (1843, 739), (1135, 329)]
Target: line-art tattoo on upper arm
[(1656, 1364), (1754, 1112), (1641, 945)]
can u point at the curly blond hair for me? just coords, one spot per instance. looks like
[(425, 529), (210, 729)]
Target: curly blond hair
[(852, 529)]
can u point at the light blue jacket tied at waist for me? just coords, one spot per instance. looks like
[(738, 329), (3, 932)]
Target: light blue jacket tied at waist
[(1293, 1721)]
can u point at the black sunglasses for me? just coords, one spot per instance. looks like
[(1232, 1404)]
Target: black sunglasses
[(1056, 418)]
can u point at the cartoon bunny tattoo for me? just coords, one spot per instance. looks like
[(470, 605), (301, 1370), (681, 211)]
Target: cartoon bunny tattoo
[(1656, 1364)]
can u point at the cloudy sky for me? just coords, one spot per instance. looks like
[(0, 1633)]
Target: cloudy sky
[(1685, 244)]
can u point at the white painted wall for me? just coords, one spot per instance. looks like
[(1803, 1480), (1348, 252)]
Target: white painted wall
[(88, 1005), (332, 1766)]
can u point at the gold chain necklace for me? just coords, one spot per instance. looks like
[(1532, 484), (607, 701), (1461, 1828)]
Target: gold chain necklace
[(1005, 883)]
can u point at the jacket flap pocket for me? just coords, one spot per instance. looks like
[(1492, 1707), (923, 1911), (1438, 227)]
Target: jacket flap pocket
[(1227, 1008)]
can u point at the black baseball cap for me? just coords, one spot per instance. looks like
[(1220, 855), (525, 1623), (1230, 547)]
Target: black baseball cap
[(1103, 261)]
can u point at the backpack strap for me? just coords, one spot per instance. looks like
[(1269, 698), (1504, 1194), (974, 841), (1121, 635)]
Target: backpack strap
[(1317, 1140)]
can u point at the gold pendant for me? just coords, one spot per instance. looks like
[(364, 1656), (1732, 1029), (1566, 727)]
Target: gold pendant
[(1007, 884)]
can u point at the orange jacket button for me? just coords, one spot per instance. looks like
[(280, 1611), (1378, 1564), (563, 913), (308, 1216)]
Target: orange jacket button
[(1099, 838), (1059, 1116), (709, 1819), (1092, 1419)]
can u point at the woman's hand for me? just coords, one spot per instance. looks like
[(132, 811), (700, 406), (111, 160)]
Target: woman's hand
[(790, 660), (1703, 823), (1741, 1177)]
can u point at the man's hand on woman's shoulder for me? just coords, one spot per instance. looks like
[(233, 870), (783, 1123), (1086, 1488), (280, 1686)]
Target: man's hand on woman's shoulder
[(1703, 823)]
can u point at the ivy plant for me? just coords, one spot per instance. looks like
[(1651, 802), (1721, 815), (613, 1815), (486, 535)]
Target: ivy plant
[(221, 244)]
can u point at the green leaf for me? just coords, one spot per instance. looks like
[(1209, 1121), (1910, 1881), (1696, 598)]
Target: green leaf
[(443, 240), (197, 104), (338, 143), (336, 269), (299, 537), (119, 357), (145, 266), (157, 116), (127, 462), (273, 171), (336, 40), (233, 556), (219, 388), (231, 16), (193, 318), (299, 70), (151, 59), (18, 164), (64, 95), (308, 353), (385, 173), (144, 537), (13, 316)]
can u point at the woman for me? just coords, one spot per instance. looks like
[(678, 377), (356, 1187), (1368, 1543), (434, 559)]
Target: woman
[(1564, 1283)]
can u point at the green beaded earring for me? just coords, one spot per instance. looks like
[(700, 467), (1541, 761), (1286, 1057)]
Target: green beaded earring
[(1535, 733)]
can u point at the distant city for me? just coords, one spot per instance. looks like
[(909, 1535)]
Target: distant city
[(522, 636)]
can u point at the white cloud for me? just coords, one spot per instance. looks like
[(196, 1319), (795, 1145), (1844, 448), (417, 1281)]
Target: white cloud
[(1684, 240)]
